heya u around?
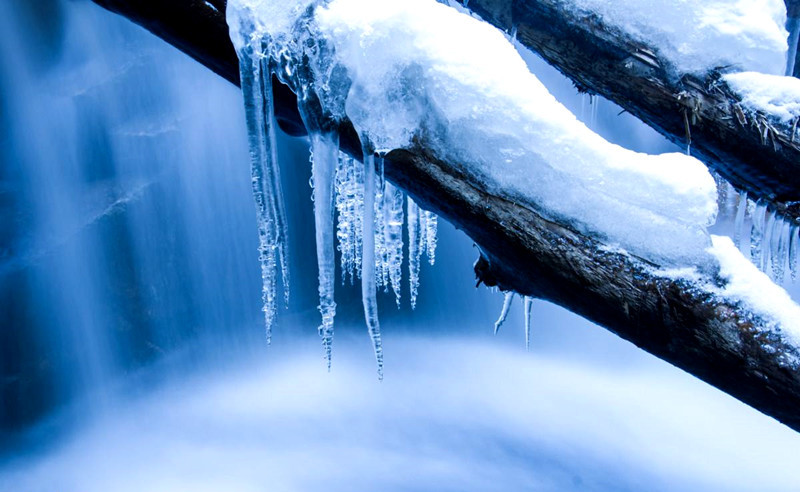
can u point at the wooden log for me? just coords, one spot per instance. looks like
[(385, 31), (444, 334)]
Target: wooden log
[(677, 320)]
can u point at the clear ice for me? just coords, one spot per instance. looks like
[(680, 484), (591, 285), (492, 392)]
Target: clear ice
[(415, 248), (368, 285), (256, 85), (325, 152), (393, 236), (508, 297), (350, 210), (528, 307), (771, 240)]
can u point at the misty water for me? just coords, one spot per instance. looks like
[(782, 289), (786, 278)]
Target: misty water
[(132, 347)]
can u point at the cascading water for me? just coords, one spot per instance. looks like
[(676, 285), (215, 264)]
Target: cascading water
[(127, 226)]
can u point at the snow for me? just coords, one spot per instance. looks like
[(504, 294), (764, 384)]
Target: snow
[(774, 95), (746, 284), (695, 36), (463, 84)]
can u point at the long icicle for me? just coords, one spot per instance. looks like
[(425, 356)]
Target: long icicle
[(393, 237), (793, 246), (381, 250), (414, 250), (368, 286), (757, 233), (528, 307), (508, 297), (431, 230), (350, 207), (739, 223), (325, 150), (273, 173), (767, 248), (256, 102), (779, 261)]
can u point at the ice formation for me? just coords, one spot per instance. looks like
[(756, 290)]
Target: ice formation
[(417, 69), (350, 210), (696, 36), (527, 306), (767, 238), (508, 298), (271, 214), (325, 156), (415, 247)]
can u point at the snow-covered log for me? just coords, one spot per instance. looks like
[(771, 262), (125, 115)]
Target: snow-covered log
[(753, 152), (682, 319)]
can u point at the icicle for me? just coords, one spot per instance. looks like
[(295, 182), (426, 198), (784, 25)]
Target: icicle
[(767, 244), (368, 286), (756, 233), (721, 192), (508, 297), (325, 150), (381, 251), (733, 197), (779, 261), (259, 110), (415, 247), (350, 210), (739, 223), (431, 227), (793, 246), (273, 172), (528, 306), (393, 237)]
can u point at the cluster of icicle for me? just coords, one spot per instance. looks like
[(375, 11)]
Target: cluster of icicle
[(770, 240), (527, 307), (369, 209)]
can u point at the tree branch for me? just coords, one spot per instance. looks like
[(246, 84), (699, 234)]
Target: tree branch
[(678, 321)]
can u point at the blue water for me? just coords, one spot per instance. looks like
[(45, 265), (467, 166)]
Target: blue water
[(132, 351)]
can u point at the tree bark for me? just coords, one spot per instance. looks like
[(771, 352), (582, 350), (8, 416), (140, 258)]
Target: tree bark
[(751, 151), (678, 321)]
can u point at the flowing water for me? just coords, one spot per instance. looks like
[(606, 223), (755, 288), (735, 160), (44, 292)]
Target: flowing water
[(132, 354)]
